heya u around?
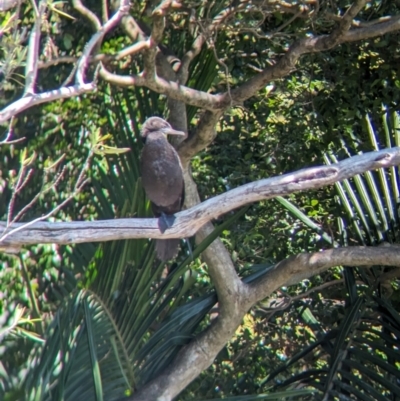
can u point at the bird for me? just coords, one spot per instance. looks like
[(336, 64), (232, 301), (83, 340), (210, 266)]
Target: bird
[(162, 179)]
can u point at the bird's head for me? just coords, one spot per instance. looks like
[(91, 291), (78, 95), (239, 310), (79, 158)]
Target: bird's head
[(156, 125)]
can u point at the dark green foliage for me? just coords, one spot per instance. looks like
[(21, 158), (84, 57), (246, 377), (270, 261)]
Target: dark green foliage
[(114, 317)]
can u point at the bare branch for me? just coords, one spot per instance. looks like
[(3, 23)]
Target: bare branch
[(131, 28), (155, 38), (205, 33), (360, 24), (97, 37), (217, 257), (188, 222), (372, 31), (204, 134), (79, 184), (89, 15), (7, 4), (201, 99), (34, 199), (201, 352), (346, 21), (282, 68), (29, 101), (132, 50), (71, 91), (128, 51), (7, 140), (20, 183), (23, 226), (104, 11), (302, 266), (310, 45), (172, 89), (55, 61), (188, 58), (33, 52)]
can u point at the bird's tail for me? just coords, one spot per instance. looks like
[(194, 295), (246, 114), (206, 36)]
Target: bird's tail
[(167, 249)]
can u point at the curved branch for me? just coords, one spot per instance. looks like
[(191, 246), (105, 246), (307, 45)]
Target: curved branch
[(282, 68), (188, 222), (303, 266), (155, 38), (172, 89), (373, 31), (308, 45), (97, 37), (204, 134), (89, 15), (201, 352)]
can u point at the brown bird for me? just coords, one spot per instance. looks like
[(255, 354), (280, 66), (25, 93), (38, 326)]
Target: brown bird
[(162, 179)]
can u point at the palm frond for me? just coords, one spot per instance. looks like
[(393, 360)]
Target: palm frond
[(363, 356)]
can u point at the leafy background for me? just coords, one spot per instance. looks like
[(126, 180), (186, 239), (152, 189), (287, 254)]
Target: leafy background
[(96, 321)]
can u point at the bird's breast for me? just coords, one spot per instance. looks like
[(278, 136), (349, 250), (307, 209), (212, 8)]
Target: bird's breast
[(162, 175)]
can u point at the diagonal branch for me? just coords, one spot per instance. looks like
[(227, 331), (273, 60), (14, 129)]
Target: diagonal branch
[(66, 92), (204, 134), (216, 104), (345, 23), (88, 14), (188, 222), (283, 67), (155, 38), (373, 31), (288, 62), (199, 354), (206, 32), (29, 101)]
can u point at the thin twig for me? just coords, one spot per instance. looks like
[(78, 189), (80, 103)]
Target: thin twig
[(80, 183), (46, 216), (22, 180), (38, 195), (9, 132), (29, 101), (104, 8)]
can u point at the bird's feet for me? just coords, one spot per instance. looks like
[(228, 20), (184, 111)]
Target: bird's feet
[(165, 221)]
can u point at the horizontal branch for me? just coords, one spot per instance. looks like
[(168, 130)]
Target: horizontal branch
[(284, 66), (303, 266), (373, 31), (188, 222)]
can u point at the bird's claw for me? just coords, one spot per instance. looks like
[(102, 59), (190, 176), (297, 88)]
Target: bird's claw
[(165, 221)]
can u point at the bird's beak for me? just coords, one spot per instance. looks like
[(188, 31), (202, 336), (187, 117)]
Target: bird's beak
[(171, 131)]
